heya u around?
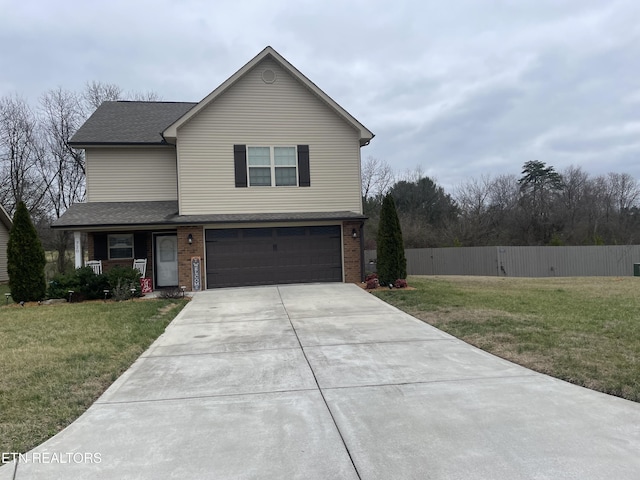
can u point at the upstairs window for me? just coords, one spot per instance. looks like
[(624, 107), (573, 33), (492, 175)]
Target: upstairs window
[(259, 159), (286, 166), (270, 166)]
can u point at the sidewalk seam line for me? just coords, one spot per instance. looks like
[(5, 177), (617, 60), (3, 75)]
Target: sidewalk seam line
[(196, 397), (344, 443), (451, 380)]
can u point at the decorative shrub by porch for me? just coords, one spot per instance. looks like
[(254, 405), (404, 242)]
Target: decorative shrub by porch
[(25, 259), (372, 284), (400, 283), (122, 280), (392, 264), (86, 285)]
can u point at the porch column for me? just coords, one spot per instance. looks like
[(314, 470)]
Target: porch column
[(77, 245)]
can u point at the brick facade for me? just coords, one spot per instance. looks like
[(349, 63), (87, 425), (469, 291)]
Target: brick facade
[(186, 252), (352, 248)]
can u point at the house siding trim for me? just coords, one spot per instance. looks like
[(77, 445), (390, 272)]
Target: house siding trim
[(141, 174), (5, 227), (4, 239)]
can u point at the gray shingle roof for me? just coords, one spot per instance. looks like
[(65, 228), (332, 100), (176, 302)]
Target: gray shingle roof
[(129, 123), (134, 214)]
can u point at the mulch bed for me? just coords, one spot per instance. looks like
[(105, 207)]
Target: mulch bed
[(364, 287)]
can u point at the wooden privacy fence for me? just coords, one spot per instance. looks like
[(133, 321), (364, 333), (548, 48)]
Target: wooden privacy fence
[(610, 260)]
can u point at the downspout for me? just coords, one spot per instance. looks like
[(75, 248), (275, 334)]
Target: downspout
[(361, 251)]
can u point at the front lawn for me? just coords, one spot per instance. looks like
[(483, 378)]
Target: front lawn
[(583, 330), (57, 360)]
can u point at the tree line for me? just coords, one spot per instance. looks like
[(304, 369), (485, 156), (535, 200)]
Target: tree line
[(37, 164), (542, 206)]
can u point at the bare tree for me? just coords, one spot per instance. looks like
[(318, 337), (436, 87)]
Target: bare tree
[(144, 96), (412, 175), (620, 194), (21, 153), (488, 210), (97, 92), (377, 177), (624, 191), (472, 198), (61, 116), (574, 205)]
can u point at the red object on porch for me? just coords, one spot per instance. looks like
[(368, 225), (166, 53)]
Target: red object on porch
[(145, 285)]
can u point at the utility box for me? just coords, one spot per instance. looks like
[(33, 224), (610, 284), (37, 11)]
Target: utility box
[(636, 269)]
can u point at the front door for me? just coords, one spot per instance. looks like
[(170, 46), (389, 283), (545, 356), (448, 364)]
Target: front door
[(166, 256)]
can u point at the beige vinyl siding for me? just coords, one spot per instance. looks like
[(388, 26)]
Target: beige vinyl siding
[(255, 113), (131, 174), (4, 239)]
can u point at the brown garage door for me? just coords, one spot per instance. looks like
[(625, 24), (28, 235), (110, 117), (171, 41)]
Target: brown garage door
[(267, 256)]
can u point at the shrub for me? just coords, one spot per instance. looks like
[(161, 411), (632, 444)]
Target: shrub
[(121, 291), (86, 285), (122, 280), (25, 259), (400, 283), (92, 286), (392, 263), (373, 283), (60, 285), (371, 276)]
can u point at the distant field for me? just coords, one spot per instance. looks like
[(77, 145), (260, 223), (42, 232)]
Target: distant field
[(583, 330)]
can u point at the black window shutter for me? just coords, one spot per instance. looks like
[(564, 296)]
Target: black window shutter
[(240, 164), (140, 245), (304, 175), (100, 247)]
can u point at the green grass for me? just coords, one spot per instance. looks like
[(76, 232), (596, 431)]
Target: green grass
[(57, 360), (583, 330)]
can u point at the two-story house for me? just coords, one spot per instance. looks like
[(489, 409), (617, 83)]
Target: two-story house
[(258, 183)]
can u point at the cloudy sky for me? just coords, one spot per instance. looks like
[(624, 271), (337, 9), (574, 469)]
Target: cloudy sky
[(459, 87)]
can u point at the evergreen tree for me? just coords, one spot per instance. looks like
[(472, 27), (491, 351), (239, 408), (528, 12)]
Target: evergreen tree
[(25, 259), (392, 263)]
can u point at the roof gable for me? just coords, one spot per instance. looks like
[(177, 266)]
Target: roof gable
[(129, 123), (268, 52)]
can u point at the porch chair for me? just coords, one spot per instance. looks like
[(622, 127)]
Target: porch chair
[(96, 266), (140, 264)]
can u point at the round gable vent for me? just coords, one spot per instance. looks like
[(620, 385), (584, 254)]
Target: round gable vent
[(268, 76)]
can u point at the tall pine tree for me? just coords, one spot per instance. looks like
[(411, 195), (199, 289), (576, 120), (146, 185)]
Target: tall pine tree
[(392, 263), (25, 259)]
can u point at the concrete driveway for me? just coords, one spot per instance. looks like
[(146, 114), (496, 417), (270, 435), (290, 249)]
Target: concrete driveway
[(328, 382)]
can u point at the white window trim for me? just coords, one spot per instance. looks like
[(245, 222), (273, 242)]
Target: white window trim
[(272, 166), (109, 246)]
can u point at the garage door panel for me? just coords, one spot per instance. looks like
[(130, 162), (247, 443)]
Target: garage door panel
[(263, 256)]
